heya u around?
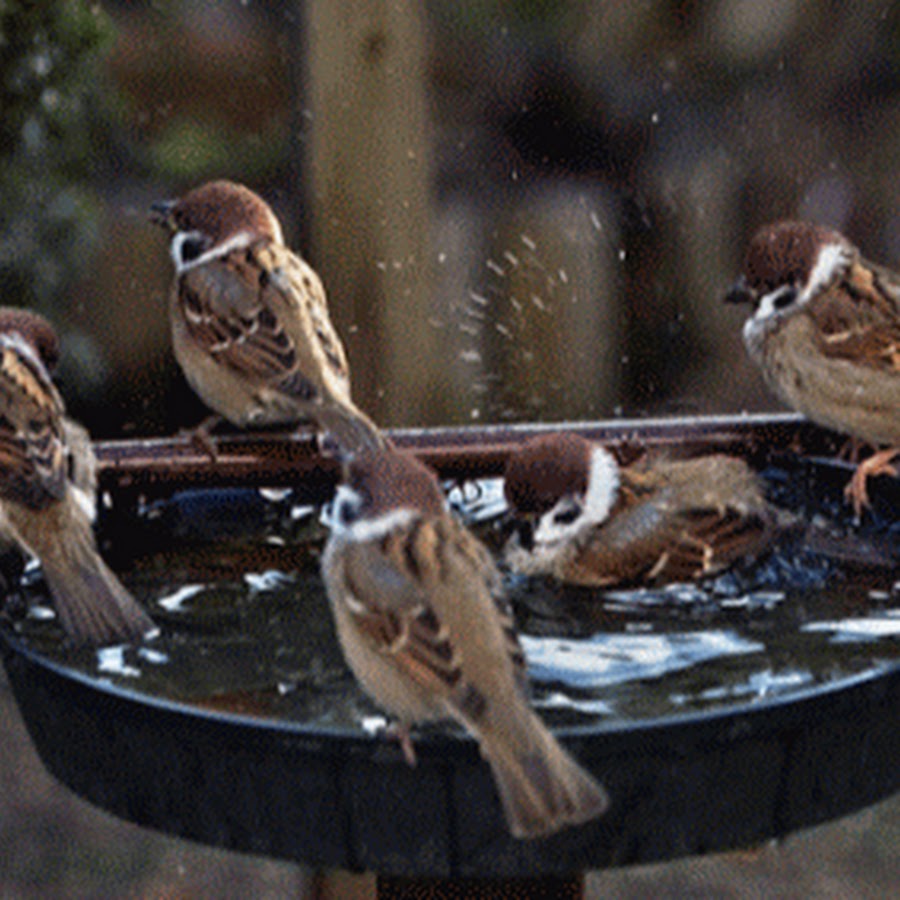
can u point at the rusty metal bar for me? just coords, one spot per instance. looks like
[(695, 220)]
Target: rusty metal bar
[(256, 459)]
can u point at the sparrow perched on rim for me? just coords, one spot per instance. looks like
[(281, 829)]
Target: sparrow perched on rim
[(825, 331), (250, 323), (47, 485), (584, 520), (426, 629)]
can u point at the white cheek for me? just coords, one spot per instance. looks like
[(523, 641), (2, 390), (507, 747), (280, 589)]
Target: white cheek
[(754, 331), (550, 535), (833, 259), (765, 319), (555, 529), (767, 308), (351, 528), (375, 529), (237, 242), (331, 516), (176, 249)]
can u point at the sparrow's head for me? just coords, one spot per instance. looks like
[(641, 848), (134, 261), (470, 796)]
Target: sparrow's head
[(214, 219), (36, 332), (787, 264), (384, 489), (556, 484)]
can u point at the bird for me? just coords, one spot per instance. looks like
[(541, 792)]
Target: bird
[(584, 520), (48, 486), (426, 628), (250, 323), (825, 332)]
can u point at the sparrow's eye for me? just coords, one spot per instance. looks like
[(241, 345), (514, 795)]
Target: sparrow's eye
[(347, 507), (192, 247), (188, 246), (784, 297), (567, 513), (347, 513)]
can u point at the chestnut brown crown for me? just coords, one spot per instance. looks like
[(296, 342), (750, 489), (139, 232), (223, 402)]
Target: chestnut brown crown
[(219, 210), (783, 253), (35, 330), (545, 469), (386, 480)]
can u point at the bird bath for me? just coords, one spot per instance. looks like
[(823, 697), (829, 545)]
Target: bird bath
[(717, 717)]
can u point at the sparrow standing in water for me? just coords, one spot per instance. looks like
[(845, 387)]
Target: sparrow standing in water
[(584, 520), (825, 331), (250, 323), (425, 628), (47, 485)]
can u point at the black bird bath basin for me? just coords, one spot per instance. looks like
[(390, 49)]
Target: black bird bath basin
[(787, 715)]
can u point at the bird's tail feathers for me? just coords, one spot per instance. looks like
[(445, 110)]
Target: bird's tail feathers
[(350, 429), (542, 788), (93, 606)]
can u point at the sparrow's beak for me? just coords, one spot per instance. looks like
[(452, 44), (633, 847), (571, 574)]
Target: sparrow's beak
[(505, 525), (161, 214), (525, 531), (739, 292), (509, 525)]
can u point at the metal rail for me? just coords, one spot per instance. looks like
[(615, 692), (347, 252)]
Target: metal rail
[(256, 459)]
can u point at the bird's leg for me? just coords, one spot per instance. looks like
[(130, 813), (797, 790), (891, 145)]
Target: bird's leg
[(850, 450), (399, 732), (200, 436), (877, 464)]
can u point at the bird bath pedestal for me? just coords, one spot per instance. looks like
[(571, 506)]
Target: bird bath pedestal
[(332, 797)]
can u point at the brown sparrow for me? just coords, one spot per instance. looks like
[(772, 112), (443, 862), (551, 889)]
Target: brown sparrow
[(584, 520), (427, 631), (47, 485), (825, 331), (250, 323)]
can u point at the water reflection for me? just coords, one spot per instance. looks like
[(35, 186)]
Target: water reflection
[(246, 627)]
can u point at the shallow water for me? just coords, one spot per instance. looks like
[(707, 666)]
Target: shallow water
[(246, 626)]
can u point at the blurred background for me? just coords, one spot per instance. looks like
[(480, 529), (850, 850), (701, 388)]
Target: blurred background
[(522, 210)]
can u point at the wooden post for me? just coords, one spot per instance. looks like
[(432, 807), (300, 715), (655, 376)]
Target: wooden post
[(370, 196), (554, 345)]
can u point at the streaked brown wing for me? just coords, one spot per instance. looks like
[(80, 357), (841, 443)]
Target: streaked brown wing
[(858, 319), (222, 305), (298, 284), (477, 556), (253, 310), (33, 458), (646, 542), (389, 581), (640, 543), (713, 538)]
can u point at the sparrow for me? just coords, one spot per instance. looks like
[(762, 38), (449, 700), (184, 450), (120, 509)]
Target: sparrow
[(250, 323), (425, 627), (48, 485), (825, 331), (582, 519)]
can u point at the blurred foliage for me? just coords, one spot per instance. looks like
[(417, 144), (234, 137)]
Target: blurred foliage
[(207, 88), (669, 130), (187, 151), (54, 114)]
